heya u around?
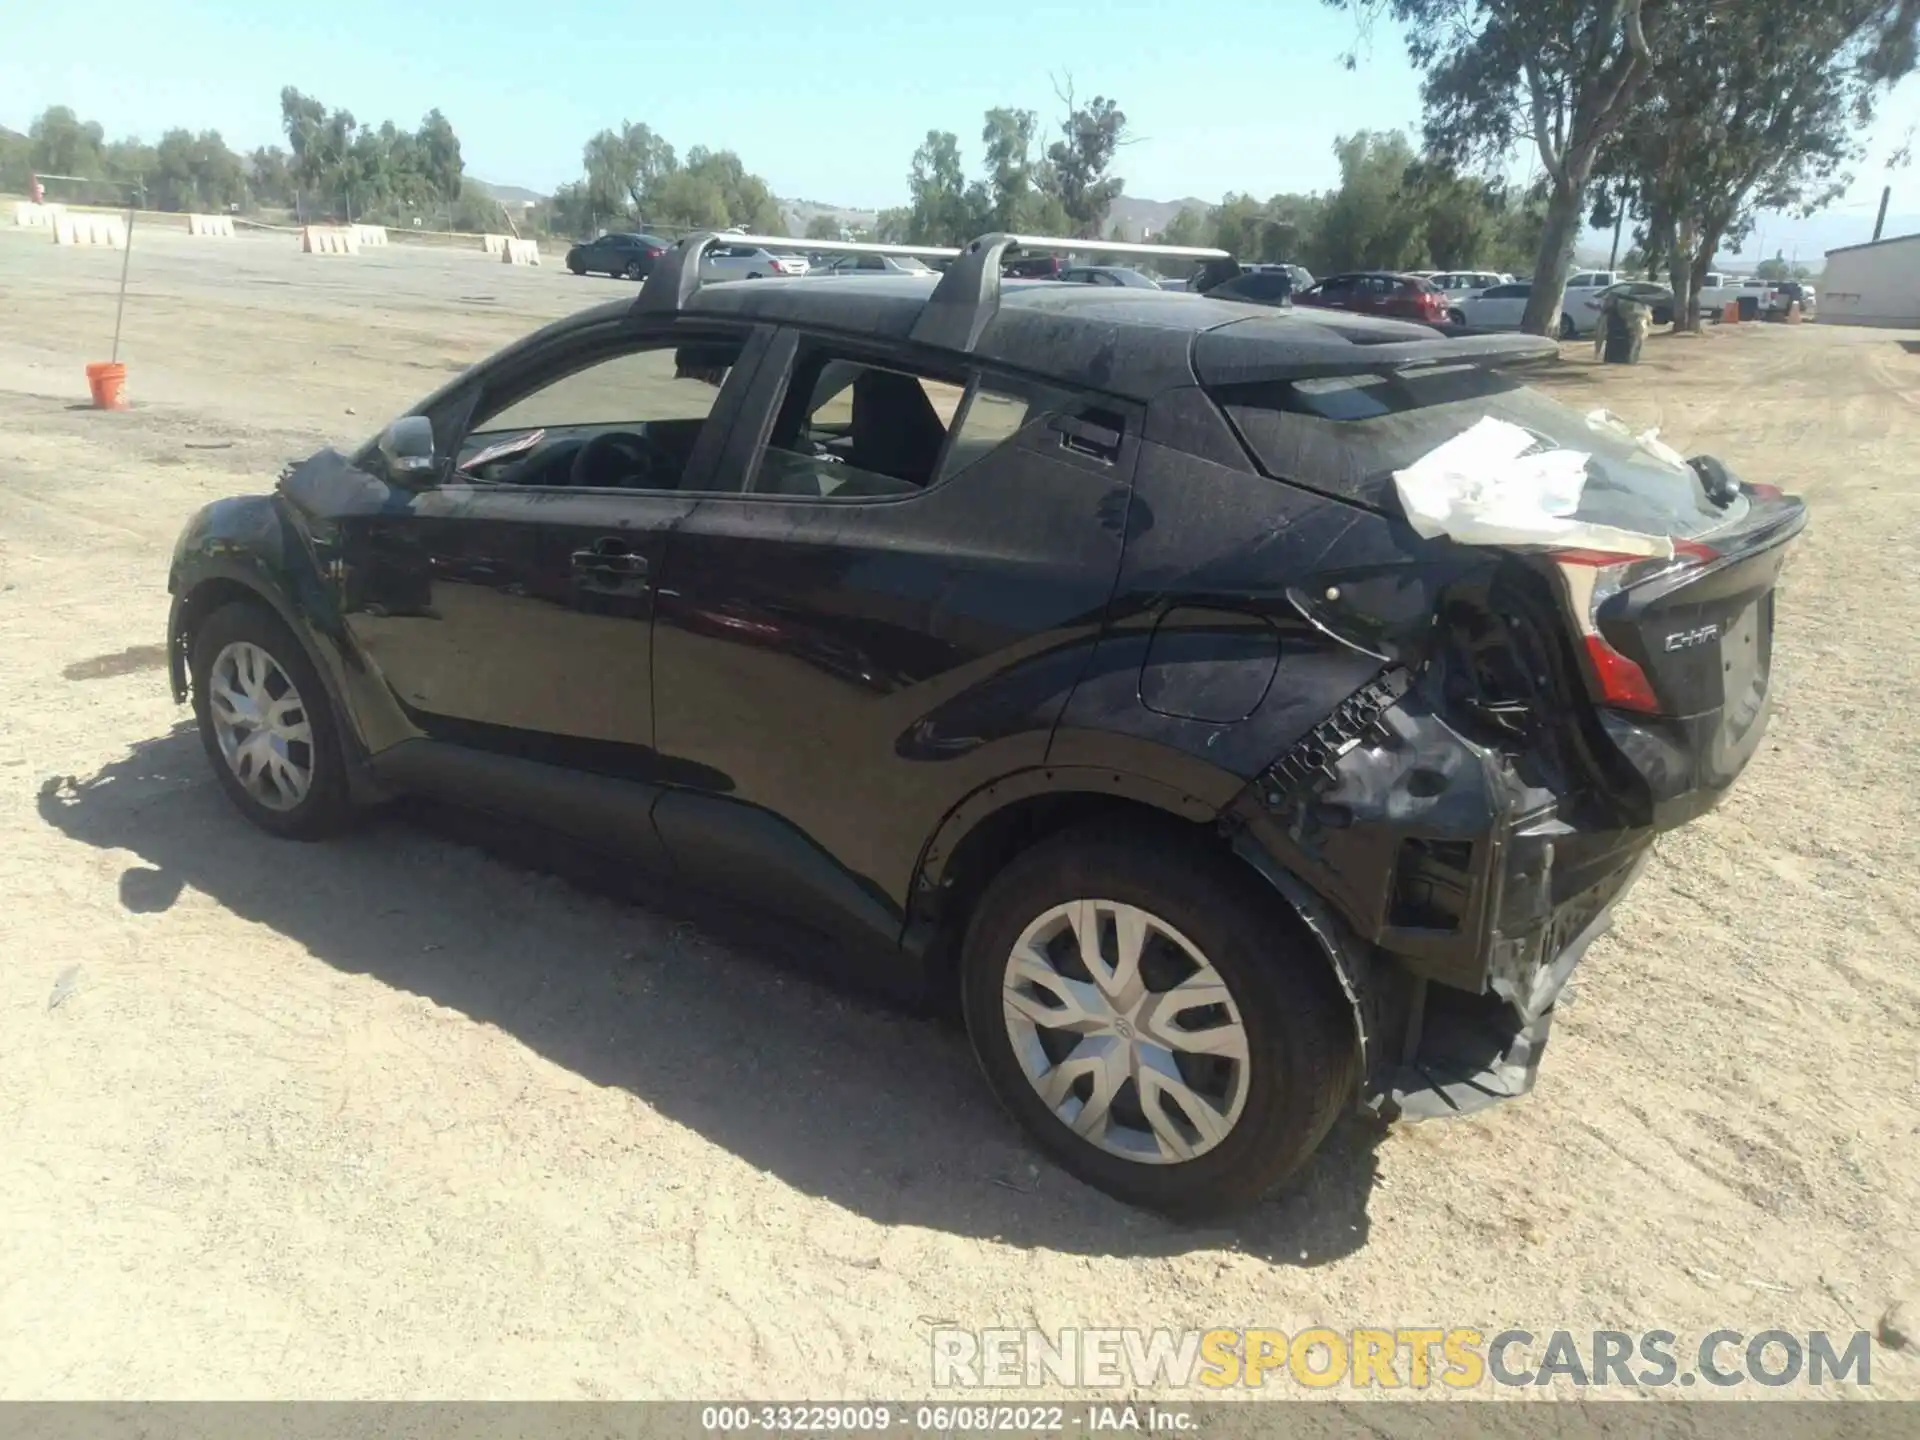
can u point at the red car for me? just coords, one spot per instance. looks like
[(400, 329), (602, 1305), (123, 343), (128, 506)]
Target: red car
[(1378, 292)]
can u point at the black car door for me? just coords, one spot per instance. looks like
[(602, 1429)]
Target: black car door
[(507, 610), (889, 614)]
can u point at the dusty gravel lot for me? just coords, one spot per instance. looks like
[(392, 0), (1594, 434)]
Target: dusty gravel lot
[(391, 1118)]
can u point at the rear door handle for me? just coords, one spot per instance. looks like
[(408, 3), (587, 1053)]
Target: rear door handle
[(1083, 437)]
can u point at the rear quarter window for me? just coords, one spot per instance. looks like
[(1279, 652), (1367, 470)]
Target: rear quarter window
[(1346, 436)]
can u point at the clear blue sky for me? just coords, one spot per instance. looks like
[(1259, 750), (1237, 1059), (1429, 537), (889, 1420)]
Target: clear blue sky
[(825, 98)]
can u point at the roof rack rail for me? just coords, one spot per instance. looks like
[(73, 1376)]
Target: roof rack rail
[(963, 301), (676, 274), (969, 293)]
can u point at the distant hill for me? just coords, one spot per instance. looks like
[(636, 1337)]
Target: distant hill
[(507, 194)]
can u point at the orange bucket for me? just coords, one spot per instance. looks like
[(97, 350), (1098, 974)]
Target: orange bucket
[(105, 380)]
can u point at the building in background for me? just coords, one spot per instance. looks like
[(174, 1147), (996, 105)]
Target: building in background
[(1873, 284)]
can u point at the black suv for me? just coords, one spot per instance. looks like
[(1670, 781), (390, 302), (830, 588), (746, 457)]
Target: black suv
[(1063, 647)]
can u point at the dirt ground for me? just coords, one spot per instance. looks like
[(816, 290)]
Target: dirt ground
[(390, 1118)]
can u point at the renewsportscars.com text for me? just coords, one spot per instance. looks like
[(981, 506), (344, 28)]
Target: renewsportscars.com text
[(1400, 1358)]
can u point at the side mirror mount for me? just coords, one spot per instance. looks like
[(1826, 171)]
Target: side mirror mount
[(406, 451)]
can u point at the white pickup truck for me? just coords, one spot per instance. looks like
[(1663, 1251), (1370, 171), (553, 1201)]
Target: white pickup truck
[(1721, 291)]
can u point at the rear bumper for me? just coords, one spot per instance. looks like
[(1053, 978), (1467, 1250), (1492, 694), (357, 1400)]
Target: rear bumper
[(1464, 895), (1462, 1053)]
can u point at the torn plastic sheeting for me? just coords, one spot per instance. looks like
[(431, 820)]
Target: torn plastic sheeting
[(1647, 440), (1492, 485)]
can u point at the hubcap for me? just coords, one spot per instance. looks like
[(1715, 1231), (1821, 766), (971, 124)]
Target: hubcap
[(1126, 1031), (261, 724)]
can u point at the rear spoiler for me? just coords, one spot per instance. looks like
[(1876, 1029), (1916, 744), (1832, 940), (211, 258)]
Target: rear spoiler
[(962, 303), (1222, 357)]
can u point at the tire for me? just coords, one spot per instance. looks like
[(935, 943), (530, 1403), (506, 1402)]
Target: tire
[(1294, 1025), (1458, 317), (632, 272), (1568, 330), (577, 269), (323, 808), (755, 275)]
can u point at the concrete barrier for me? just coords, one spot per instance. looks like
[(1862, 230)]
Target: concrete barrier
[(109, 231), (27, 215), (370, 235), (521, 252), (211, 227), (329, 240), (493, 244)]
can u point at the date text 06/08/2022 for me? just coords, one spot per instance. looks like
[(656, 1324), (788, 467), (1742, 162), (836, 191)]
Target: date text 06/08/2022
[(945, 1419)]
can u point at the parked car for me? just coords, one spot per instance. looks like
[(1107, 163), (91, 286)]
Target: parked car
[(1501, 307), (1720, 291), (1378, 292), (1302, 277), (1175, 282), (1457, 285), (1109, 275), (876, 265), (1217, 799), (1036, 267), (1257, 287), (749, 262), (1656, 297), (629, 256)]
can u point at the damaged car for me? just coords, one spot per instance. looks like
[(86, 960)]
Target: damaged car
[(1239, 714)]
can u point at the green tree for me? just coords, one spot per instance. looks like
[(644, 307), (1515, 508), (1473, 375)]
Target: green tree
[(1744, 114), (60, 144), (823, 227), (1563, 73), (941, 212), (1375, 219), (1079, 160), (1184, 229), (1008, 136)]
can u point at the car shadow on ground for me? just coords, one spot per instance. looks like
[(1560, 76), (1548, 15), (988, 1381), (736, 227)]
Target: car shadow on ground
[(838, 1094)]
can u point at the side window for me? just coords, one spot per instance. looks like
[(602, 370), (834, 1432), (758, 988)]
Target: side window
[(626, 421), (995, 412), (856, 429)]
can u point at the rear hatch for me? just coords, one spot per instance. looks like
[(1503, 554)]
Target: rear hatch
[(1676, 649)]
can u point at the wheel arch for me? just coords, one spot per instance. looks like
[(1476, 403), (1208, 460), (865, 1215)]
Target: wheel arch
[(1001, 821), (208, 588)]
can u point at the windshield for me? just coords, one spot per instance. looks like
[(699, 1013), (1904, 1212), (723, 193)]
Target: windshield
[(1347, 436)]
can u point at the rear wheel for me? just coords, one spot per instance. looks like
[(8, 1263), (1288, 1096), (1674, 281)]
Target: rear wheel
[(267, 725), (1158, 1027), (1567, 328), (632, 272)]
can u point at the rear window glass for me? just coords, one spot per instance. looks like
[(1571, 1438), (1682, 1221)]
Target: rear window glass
[(1347, 435)]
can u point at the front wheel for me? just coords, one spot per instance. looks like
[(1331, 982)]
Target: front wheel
[(267, 724), (1568, 330), (1458, 317), (1154, 1020)]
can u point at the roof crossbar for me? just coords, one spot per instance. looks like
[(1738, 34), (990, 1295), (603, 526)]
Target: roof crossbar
[(962, 303), (969, 293), (676, 274)]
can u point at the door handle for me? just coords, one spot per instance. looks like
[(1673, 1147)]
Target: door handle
[(610, 556), (1084, 437)]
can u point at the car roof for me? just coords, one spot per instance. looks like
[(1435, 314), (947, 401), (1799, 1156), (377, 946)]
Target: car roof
[(1133, 343)]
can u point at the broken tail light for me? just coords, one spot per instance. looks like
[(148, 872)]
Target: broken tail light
[(1592, 577)]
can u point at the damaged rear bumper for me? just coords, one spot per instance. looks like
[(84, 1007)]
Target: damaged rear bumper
[(1454, 894), (1461, 1053)]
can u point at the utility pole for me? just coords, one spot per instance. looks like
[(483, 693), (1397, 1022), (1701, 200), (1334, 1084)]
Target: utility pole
[(1880, 220)]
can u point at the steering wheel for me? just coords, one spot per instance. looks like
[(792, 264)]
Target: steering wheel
[(641, 456)]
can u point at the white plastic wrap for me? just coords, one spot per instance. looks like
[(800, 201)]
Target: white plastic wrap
[(1492, 485)]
